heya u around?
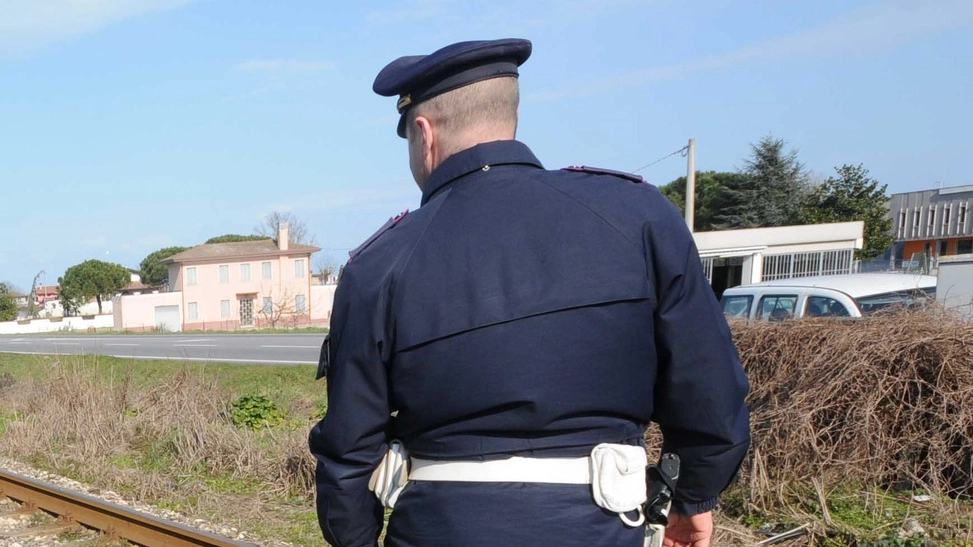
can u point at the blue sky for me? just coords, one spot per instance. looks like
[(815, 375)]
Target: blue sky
[(130, 125)]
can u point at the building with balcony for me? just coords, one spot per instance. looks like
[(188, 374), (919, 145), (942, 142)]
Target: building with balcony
[(937, 221)]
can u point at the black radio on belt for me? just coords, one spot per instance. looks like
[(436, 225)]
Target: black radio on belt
[(661, 483)]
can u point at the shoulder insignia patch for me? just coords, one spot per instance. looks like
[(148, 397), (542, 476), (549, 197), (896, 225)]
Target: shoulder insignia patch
[(631, 177), (385, 227)]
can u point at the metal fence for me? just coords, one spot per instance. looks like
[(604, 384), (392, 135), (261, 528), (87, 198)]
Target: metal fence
[(917, 264), (786, 266), (708, 269)]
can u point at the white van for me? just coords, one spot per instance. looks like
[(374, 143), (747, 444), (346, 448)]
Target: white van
[(850, 295)]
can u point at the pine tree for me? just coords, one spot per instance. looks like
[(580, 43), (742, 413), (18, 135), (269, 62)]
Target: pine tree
[(850, 196)]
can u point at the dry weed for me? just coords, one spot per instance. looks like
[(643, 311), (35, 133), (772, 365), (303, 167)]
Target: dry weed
[(881, 404), (150, 441)]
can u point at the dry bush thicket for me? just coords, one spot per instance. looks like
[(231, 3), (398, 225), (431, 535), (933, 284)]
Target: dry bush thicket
[(882, 403)]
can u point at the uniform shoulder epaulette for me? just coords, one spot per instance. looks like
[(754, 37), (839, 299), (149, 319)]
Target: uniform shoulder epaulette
[(385, 227), (632, 177)]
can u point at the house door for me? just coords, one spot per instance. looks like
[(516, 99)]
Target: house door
[(246, 312)]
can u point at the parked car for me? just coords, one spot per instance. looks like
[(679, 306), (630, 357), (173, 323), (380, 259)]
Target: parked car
[(850, 295)]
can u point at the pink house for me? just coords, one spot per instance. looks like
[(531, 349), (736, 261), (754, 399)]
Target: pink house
[(227, 286)]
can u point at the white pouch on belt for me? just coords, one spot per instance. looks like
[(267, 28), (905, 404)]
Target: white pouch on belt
[(618, 480), (390, 477)]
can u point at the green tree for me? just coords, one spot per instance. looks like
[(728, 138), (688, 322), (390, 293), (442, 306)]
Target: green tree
[(8, 305), (711, 197), (153, 272), (772, 192), (850, 196), (235, 238), (91, 279), (8, 308)]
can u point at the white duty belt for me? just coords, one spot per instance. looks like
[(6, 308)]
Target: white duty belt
[(616, 473)]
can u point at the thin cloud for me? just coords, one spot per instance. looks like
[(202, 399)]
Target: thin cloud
[(284, 65), (871, 29), (27, 25)]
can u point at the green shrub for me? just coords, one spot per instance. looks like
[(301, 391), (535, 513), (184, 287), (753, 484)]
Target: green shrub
[(256, 412), (8, 308), (320, 409)]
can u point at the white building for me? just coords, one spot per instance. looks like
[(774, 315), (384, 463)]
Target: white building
[(741, 257)]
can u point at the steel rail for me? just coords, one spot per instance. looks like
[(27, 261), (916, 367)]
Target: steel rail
[(114, 520)]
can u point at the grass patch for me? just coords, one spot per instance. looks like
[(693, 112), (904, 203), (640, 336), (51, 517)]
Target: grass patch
[(163, 433)]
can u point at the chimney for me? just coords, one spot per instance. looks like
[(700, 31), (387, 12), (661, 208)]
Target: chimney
[(282, 234)]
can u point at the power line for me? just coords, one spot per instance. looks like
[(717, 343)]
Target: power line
[(669, 155)]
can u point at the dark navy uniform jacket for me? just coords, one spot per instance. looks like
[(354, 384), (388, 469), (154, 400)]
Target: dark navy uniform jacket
[(523, 312)]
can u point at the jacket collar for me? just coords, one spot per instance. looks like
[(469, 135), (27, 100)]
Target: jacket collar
[(476, 158)]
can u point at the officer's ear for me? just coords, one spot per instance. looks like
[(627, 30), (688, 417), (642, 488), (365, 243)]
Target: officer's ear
[(423, 128), (428, 139)]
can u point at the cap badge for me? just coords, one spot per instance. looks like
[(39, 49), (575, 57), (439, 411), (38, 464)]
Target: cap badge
[(404, 102)]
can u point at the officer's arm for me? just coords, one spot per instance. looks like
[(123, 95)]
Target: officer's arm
[(351, 439), (700, 388)]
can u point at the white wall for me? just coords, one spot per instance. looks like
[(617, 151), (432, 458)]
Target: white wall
[(65, 324), (53, 308), (322, 300), (954, 284), (137, 311)]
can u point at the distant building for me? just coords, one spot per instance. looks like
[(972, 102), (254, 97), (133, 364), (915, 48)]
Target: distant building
[(741, 257), (228, 286), (937, 221), (135, 285), (19, 298), (46, 293)]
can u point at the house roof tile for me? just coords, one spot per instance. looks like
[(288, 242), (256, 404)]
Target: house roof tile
[(242, 249)]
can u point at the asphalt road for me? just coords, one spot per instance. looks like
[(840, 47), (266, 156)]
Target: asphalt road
[(287, 349)]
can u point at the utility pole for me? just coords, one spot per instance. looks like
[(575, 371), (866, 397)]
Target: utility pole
[(691, 184)]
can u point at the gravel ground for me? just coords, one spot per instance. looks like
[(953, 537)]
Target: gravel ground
[(8, 524)]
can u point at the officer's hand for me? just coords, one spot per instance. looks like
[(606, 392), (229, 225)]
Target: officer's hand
[(694, 531)]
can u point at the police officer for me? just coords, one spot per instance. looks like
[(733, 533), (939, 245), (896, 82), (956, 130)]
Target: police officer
[(496, 356)]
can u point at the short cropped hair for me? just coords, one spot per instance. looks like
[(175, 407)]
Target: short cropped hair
[(489, 103)]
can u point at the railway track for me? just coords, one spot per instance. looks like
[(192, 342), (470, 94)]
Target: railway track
[(74, 510)]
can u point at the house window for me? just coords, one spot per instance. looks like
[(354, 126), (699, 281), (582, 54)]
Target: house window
[(299, 268), (244, 272), (300, 303), (191, 276), (948, 208), (268, 306), (192, 309), (224, 309), (267, 271), (962, 218), (224, 273), (916, 220), (964, 246), (900, 234), (931, 221)]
